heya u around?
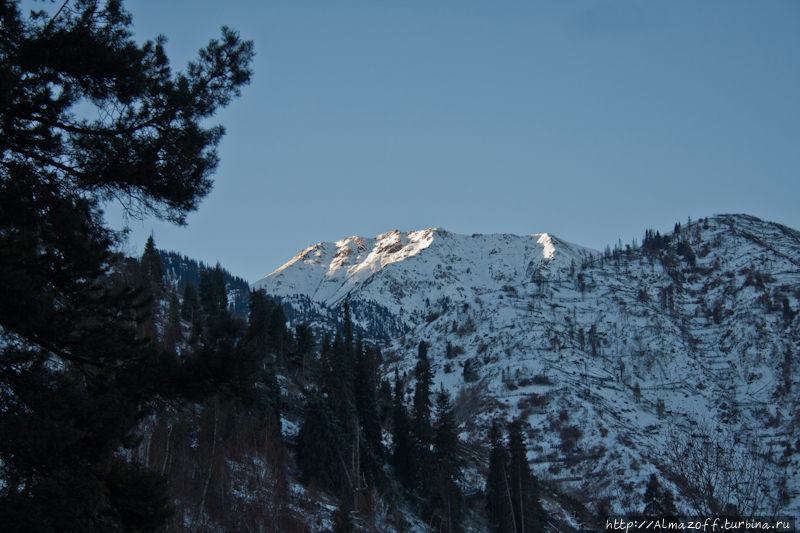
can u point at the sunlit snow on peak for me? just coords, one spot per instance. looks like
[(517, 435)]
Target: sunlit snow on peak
[(547, 245), (450, 267)]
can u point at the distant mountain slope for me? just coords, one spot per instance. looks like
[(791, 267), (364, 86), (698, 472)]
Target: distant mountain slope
[(616, 359), (181, 270)]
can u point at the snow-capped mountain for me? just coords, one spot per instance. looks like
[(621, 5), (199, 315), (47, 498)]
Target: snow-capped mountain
[(623, 362), (395, 281)]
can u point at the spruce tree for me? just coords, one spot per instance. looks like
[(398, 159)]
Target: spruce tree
[(445, 493), (223, 359), (403, 456), (151, 262), (529, 516), (304, 351), (422, 425), (445, 440), (385, 402), (324, 367), (652, 497), (423, 405), (191, 303), (280, 336), (213, 296), (338, 380), (190, 310), (318, 445), (370, 452), (259, 338), (422, 351), (151, 278), (658, 502), (340, 389), (498, 493), (77, 379), (364, 395)]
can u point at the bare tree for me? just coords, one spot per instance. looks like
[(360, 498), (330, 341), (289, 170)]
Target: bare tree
[(723, 471)]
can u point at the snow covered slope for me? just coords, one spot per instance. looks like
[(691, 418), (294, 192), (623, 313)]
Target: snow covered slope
[(401, 278), (616, 359)]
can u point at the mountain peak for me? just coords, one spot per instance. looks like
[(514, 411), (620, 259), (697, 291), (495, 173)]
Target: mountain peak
[(407, 271)]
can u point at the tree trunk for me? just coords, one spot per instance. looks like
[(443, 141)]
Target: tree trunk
[(210, 468), (510, 500), (166, 451)]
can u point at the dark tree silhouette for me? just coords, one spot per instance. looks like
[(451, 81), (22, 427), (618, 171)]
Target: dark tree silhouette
[(498, 493), (76, 377), (403, 456), (445, 493)]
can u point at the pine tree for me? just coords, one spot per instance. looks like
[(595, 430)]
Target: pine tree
[(76, 378)]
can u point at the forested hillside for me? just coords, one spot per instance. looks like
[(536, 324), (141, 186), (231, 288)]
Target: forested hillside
[(320, 440), (180, 270), (587, 379), (616, 362)]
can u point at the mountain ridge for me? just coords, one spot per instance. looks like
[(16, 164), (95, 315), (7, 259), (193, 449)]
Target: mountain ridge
[(615, 360), (366, 270)]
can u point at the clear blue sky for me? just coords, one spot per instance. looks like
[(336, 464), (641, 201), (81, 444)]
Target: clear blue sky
[(588, 120)]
